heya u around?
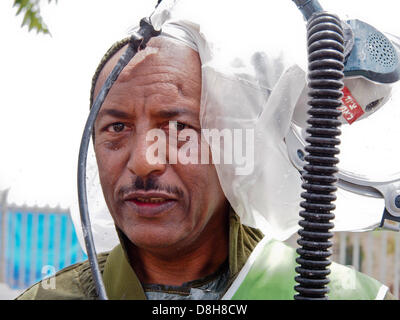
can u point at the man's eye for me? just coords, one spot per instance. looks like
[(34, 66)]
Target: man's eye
[(174, 125), (116, 127), (179, 125)]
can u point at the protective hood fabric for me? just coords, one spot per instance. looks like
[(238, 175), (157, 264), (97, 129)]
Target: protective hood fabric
[(253, 64)]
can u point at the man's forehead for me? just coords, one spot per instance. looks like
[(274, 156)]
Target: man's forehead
[(176, 58)]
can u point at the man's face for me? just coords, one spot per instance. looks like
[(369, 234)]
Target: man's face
[(162, 205)]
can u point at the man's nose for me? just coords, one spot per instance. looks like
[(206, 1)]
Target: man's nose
[(142, 161)]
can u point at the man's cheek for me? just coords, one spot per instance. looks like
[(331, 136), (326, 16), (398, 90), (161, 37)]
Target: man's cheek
[(108, 174), (106, 186), (109, 161), (194, 177)]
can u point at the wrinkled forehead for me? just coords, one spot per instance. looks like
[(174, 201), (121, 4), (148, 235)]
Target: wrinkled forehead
[(174, 56)]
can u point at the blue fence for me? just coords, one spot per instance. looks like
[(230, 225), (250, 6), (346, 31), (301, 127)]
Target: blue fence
[(36, 245)]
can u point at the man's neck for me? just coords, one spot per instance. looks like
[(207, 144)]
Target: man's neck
[(173, 266)]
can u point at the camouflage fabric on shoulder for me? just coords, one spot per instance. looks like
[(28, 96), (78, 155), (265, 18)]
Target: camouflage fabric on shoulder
[(71, 283)]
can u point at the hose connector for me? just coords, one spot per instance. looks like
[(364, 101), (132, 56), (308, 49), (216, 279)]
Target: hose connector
[(308, 7)]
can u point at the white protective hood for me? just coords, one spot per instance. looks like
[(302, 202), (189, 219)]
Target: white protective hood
[(253, 72)]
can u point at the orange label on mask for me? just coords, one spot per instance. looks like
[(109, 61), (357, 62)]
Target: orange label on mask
[(351, 110)]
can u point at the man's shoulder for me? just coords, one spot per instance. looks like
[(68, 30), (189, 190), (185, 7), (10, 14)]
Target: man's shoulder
[(74, 282)]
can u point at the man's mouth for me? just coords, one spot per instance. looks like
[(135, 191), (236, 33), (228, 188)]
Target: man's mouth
[(142, 201), (150, 204)]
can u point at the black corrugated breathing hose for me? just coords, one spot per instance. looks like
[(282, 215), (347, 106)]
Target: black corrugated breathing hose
[(325, 58)]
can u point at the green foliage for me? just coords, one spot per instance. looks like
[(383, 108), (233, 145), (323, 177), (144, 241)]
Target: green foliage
[(32, 17)]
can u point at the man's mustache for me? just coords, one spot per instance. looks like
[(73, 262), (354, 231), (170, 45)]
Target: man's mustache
[(150, 183)]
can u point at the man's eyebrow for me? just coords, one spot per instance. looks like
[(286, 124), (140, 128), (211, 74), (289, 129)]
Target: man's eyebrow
[(114, 113), (164, 113), (171, 113)]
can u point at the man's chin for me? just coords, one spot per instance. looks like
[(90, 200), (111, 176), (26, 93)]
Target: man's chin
[(155, 241)]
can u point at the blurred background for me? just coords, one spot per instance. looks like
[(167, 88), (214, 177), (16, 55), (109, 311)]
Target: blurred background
[(45, 78)]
